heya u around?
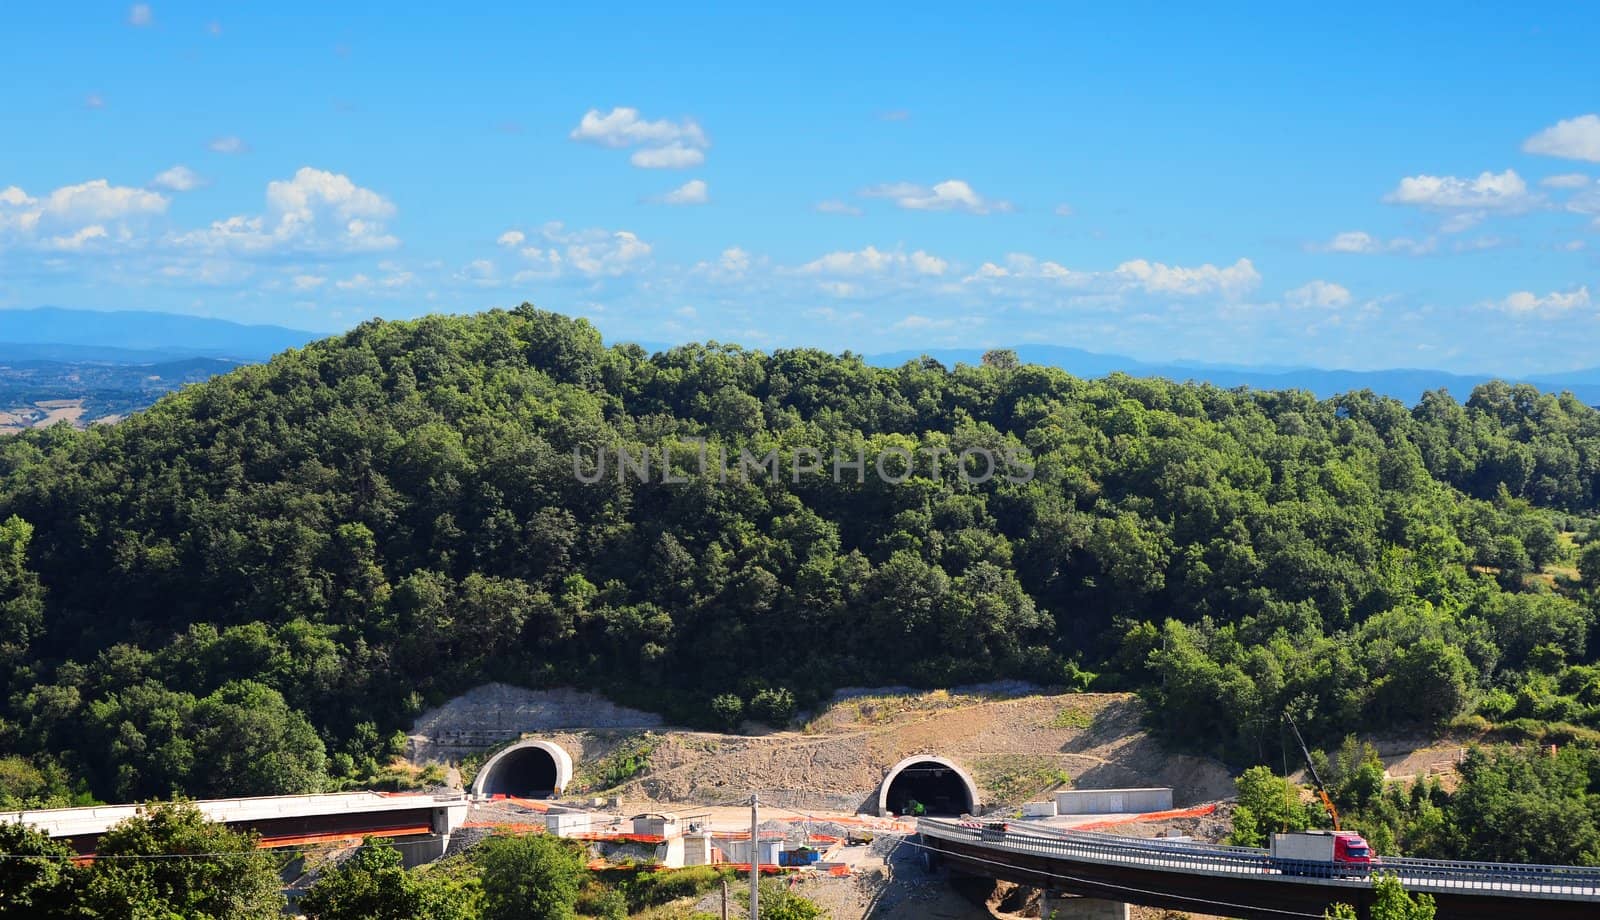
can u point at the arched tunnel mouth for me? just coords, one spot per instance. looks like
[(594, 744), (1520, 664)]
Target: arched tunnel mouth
[(938, 788), (525, 773)]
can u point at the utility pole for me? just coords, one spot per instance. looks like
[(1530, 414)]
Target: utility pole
[(755, 857), (724, 899)]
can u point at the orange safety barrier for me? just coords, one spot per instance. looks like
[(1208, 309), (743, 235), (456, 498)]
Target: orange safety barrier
[(267, 843), (619, 838), (1197, 812)]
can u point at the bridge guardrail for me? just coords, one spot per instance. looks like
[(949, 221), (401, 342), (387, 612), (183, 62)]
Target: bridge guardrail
[(1423, 874)]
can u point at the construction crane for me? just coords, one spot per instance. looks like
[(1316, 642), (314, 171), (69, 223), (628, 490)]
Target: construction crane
[(1322, 791)]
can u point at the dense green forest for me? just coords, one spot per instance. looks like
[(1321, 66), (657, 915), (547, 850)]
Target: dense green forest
[(253, 585)]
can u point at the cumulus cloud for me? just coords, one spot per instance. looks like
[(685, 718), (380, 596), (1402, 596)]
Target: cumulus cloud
[(1064, 210), (834, 206), (140, 15), (1555, 303), (1489, 191), (665, 144), (1321, 294), (511, 238), (672, 156), (73, 217), (179, 178), (308, 282), (228, 144), (313, 211), (592, 253), (949, 195), (874, 261), (1572, 138), (694, 191), (1157, 278)]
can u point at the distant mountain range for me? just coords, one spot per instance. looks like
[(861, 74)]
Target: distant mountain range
[(136, 336), (113, 362), (1405, 384)]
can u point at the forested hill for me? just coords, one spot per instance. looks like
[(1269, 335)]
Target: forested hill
[(252, 585)]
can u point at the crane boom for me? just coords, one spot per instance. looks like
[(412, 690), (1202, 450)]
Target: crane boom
[(1322, 791)]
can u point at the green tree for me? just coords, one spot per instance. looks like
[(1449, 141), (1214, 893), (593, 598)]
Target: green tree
[(532, 877), (1393, 903), (372, 883), (168, 861), (1269, 804), (38, 878)]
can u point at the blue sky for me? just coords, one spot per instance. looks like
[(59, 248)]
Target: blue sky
[(1363, 187)]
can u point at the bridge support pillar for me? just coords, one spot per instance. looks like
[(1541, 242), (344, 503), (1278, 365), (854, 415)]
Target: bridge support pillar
[(1056, 906)]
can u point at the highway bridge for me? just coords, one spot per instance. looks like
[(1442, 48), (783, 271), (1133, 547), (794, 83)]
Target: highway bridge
[(420, 823), (1240, 881)]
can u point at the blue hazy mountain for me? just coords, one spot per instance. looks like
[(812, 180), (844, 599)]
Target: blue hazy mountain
[(136, 336), (1404, 384)]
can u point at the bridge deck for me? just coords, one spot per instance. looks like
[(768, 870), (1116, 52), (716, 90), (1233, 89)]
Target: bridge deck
[(1247, 882)]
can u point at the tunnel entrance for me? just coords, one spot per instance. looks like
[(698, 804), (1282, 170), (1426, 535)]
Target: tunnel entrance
[(529, 770), (937, 785)]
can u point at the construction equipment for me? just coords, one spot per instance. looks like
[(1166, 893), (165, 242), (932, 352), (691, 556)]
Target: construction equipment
[(1322, 791)]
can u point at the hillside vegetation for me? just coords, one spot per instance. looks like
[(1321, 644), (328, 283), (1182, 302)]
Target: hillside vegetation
[(252, 585)]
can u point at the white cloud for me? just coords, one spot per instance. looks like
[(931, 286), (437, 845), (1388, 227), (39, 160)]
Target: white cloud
[(1361, 242), (314, 211), (694, 191), (179, 178), (840, 288), (1157, 278), (1064, 210), (874, 261), (1565, 180), (622, 127), (666, 144), (894, 115), (1572, 138), (735, 260), (914, 322), (94, 101), (686, 312), (949, 195), (511, 238), (308, 282), (100, 201), (1555, 303), (77, 240), (835, 206), (140, 15), (590, 253), (672, 156), (73, 216), (1322, 294), (1489, 191), (228, 144)]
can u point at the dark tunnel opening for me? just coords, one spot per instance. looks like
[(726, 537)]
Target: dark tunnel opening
[(527, 773), (938, 788)]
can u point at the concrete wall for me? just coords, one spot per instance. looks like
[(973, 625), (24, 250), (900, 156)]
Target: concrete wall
[(1039, 809), (1113, 801), (494, 713), (1067, 907)]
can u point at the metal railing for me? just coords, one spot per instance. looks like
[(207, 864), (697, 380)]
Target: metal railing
[(1567, 882)]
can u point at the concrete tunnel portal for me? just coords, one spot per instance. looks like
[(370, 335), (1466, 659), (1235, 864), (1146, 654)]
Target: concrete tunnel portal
[(530, 769), (937, 784)]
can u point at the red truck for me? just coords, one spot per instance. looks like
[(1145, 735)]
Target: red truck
[(1307, 852)]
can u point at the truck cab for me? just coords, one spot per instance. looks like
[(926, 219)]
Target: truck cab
[(1352, 849)]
